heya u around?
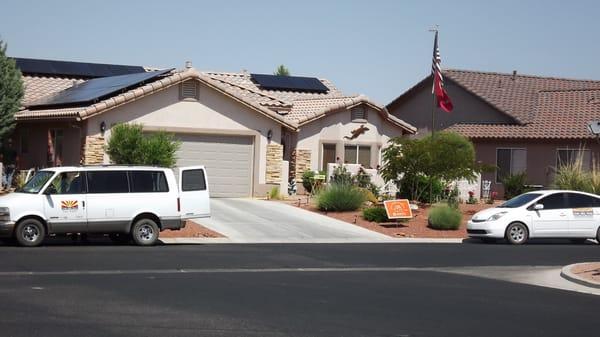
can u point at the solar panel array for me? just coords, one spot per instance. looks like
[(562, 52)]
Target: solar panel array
[(96, 89), (290, 83), (76, 69)]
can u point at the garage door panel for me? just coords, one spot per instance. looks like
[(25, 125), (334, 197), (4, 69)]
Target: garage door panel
[(228, 161)]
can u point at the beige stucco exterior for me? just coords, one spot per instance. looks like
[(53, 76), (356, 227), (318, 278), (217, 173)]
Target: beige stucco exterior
[(212, 113), (332, 129)]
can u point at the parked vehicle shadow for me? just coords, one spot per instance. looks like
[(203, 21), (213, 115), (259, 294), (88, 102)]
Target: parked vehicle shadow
[(566, 242), (77, 240)]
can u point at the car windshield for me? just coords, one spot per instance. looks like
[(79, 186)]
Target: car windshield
[(520, 200), (35, 184)]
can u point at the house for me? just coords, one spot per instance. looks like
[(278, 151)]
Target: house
[(243, 127), (518, 123)]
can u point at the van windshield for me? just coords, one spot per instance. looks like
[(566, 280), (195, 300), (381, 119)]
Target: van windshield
[(35, 184)]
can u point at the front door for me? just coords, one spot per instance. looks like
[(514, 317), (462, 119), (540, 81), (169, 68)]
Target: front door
[(65, 203), (193, 193), (553, 220)]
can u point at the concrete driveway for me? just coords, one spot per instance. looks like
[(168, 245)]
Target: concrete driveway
[(260, 221)]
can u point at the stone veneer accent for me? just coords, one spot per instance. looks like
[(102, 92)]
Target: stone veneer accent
[(274, 158), (92, 150), (300, 163)]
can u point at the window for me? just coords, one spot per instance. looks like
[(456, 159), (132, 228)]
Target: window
[(55, 154), (577, 200), (570, 156), (193, 180), (554, 201), (358, 154), (107, 182), (359, 113), (510, 161), (148, 181), (67, 183)]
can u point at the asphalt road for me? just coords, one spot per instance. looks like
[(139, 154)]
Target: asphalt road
[(286, 290)]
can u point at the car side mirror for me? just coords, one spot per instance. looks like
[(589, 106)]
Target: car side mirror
[(538, 207)]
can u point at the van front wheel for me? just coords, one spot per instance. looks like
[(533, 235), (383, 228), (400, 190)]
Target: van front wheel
[(30, 233), (145, 232)]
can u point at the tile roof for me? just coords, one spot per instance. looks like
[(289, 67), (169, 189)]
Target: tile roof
[(558, 114), (290, 108)]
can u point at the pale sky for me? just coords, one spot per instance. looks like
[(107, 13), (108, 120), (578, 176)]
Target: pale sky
[(378, 48)]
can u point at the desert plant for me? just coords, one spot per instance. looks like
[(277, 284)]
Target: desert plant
[(376, 214), (442, 216), (572, 176), (514, 184), (340, 197), (418, 188), (307, 180), (274, 193), (129, 146), (370, 196), (452, 198), (341, 175)]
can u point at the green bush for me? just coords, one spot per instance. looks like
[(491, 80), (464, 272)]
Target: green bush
[(340, 197), (129, 146), (409, 184), (307, 180), (572, 176), (444, 217), (514, 184), (274, 193), (341, 176), (376, 214)]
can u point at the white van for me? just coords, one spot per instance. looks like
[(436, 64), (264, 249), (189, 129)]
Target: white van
[(126, 202)]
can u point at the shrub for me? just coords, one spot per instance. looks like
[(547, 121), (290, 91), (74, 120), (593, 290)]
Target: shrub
[(370, 196), (274, 193), (307, 180), (514, 184), (129, 146), (444, 217), (341, 175), (376, 214), (340, 197), (572, 176), (409, 184), (452, 198)]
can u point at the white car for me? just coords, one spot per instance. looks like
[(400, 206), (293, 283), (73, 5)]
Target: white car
[(541, 214), (126, 202)]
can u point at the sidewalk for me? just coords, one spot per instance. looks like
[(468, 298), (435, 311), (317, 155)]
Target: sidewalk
[(586, 274)]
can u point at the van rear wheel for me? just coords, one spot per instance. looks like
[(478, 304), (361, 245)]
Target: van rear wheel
[(30, 233), (145, 232)]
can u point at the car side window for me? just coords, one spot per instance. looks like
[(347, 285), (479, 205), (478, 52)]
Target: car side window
[(577, 200), (554, 201), (67, 183), (193, 180), (107, 182)]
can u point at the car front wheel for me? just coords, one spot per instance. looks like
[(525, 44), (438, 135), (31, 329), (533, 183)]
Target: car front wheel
[(145, 232), (30, 233), (517, 233)]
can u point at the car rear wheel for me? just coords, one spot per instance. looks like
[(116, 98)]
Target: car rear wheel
[(30, 233), (517, 233), (145, 232)]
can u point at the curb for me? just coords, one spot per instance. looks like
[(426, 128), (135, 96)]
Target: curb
[(200, 241), (568, 275)]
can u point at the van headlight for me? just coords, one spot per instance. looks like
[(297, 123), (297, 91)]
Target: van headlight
[(4, 214), (496, 216)]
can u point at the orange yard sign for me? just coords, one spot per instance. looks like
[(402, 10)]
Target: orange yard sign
[(398, 209)]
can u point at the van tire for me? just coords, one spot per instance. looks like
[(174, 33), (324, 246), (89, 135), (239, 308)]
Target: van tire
[(145, 232), (30, 232)]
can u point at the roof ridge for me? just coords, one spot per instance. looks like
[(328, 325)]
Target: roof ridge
[(519, 75), (569, 90), (326, 98)]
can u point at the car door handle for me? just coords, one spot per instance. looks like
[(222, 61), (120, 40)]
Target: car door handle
[(563, 214)]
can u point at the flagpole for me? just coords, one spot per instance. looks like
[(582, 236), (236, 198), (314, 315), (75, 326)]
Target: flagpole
[(432, 117)]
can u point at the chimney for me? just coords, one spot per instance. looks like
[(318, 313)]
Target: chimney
[(188, 64), (514, 75)]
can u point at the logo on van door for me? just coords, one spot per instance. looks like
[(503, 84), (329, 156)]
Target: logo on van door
[(69, 205)]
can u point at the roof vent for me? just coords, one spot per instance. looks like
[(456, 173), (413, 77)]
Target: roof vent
[(514, 75), (188, 64)]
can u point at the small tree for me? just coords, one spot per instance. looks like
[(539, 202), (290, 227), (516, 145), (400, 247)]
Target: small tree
[(129, 146), (448, 156), (282, 71), (11, 92)]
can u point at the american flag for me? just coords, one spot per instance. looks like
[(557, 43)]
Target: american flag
[(442, 99)]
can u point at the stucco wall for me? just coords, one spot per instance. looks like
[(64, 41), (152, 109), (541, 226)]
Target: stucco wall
[(416, 109), (212, 113), (332, 129), (541, 158), (37, 143)]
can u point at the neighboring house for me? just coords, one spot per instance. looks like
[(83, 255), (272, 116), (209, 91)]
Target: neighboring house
[(240, 126), (518, 123)]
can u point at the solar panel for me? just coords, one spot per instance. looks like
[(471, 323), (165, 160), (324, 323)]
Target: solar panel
[(96, 89), (78, 69), (292, 83)]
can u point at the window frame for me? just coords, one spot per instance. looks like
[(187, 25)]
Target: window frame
[(184, 189), (130, 180), (588, 167), (357, 148), (87, 179), (511, 161)]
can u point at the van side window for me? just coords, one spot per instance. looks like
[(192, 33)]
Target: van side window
[(193, 180), (148, 181), (67, 183), (107, 182)]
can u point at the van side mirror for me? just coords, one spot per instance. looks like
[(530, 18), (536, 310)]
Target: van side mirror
[(50, 190), (538, 207)]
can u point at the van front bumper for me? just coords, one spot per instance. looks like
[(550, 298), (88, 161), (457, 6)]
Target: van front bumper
[(6, 229)]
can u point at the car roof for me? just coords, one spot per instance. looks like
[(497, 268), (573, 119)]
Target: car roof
[(546, 192)]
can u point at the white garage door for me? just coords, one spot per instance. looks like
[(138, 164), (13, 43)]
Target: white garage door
[(228, 161)]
